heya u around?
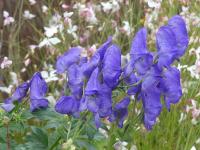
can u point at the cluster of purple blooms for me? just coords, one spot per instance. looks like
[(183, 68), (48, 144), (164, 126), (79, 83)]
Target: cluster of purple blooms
[(148, 75)]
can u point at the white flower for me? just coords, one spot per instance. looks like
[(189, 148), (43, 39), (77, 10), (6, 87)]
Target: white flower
[(44, 8), (6, 63), (110, 6), (193, 148), (120, 145), (7, 90), (49, 42), (107, 6), (50, 31), (89, 14), (14, 78), (28, 15), (7, 19), (126, 28), (32, 2), (72, 30), (198, 141), (67, 14), (49, 76), (153, 4)]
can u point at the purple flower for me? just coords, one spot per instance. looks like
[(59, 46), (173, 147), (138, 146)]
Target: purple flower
[(18, 95), (103, 48), (112, 66), (172, 41), (140, 57), (151, 93), (75, 80), (166, 45), (88, 67), (120, 111), (178, 26), (97, 99), (38, 89), (67, 105), (8, 105), (67, 59), (93, 83), (172, 86)]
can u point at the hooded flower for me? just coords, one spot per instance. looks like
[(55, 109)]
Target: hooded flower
[(120, 111), (172, 41), (166, 45), (97, 98), (151, 92), (18, 95), (67, 105), (38, 89), (67, 59), (93, 83), (102, 49), (178, 26), (140, 57), (172, 86), (75, 80), (112, 66), (88, 67), (130, 79)]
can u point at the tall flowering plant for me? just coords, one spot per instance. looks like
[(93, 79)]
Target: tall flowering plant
[(92, 82)]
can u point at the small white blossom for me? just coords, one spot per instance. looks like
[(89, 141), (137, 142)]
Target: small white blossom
[(44, 8), (7, 19), (28, 15), (193, 148), (49, 42), (7, 90), (32, 2), (6, 63), (50, 31)]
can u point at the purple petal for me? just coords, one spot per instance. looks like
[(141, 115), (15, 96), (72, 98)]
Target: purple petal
[(8, 106), (36, 104), (38, 87), (172, 86), (103, 48), (93, 83), (120, 111), (20, 92), (151, 93), (139, 43), (89, 67), (112, 66), (67, 59), (67, 105), (178, 26)]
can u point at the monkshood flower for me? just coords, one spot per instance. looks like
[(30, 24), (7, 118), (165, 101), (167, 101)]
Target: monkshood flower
[(151, 93), (120, 111), (38, 90), (75, 80), (67, 59), (67, 105), (172, 41), (172, 86), (98, 98), (18, 95), (140, 57), (149, 79), (148, 76), (112, 66)]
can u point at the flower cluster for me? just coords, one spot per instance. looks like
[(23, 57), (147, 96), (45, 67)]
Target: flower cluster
[(38, 89), (148, 75)]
